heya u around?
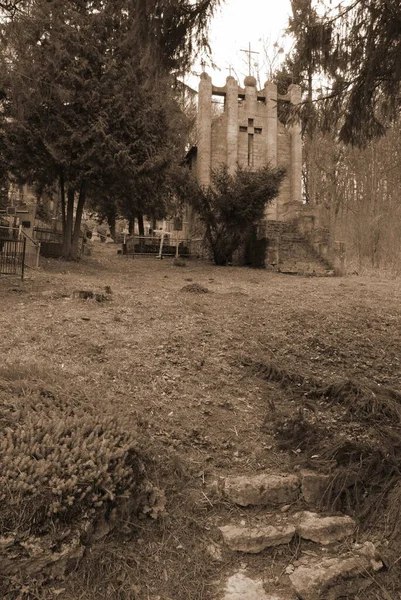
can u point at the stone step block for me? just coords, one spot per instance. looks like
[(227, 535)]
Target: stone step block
[(314, 486), (241, 587), (253, 540), (323, 529), (333, 577), (262, 490)]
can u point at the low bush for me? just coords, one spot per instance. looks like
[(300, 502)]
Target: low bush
[(60, 457), (55, 468)]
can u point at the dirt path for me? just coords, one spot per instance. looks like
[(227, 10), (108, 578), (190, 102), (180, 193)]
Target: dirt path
[(182, 363)]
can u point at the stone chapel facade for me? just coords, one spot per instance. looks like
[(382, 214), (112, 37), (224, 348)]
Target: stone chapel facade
[(249, 133)]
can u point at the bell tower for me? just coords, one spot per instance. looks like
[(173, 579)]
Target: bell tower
[(249, 133)]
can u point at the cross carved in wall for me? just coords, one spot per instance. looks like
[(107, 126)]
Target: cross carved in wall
[(250, 130)]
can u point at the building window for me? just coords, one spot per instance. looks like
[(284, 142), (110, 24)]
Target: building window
[(250, 149)]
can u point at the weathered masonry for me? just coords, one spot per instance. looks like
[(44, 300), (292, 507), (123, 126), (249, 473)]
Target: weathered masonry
[(249, 133)]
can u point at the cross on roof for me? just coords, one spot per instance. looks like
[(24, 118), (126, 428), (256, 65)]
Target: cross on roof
[(249, 52)]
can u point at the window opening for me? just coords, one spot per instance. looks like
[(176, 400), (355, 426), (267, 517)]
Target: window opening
[(250, 149)]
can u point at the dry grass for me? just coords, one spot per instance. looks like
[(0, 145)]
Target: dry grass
[(179, 366)]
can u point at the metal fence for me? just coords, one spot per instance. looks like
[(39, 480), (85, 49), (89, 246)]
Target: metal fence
[(48, 235), (163, 246), (12, 256), (17, 251)]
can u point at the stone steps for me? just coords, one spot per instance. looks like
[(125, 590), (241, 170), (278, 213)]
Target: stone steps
[(290, 252), (329, 563), (297, 256), (322, 529)]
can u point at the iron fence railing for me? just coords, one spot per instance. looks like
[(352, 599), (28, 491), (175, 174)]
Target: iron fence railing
[(48, 235), (163, 246), (17, 251), (12, 256)]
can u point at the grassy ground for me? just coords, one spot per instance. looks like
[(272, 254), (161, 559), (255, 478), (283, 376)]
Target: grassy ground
[(182, 364)]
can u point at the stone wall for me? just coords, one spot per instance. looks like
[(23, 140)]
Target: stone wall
[(275, 209), (249, 134), (219, 141)]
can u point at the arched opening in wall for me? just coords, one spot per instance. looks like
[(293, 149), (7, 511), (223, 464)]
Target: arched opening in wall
[(218, 106)]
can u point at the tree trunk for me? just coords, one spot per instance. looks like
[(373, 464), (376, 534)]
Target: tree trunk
[(131, 225), (75, 250), (141, 227), (111, 221), (62, 199), (67, 237)]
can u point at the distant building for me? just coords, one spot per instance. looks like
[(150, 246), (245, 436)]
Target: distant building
[(249, 133)]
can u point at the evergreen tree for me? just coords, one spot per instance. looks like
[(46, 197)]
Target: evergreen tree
[(231, 206), (81, 107), (358, 49)]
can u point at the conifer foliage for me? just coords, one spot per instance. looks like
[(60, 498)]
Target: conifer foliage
[(82, 105), (357, 47), (232, 205)]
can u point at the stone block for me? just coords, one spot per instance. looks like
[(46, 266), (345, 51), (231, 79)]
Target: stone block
[(323, 529), (241, 587), (315, 579), (265, 490), (255, 539), (313, 486)]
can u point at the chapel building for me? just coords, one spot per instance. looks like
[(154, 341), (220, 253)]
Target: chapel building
[(248, 133)]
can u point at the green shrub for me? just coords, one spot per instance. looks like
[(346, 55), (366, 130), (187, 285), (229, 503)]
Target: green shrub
[(232, 205), (58, 467)]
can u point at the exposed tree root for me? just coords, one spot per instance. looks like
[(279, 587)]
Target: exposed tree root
[(363, 401), (353, 430)]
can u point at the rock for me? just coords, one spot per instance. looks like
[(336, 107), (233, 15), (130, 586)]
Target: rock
[(323, 529), (314, 579), (241, 587), (314, 486), (254, 540), (262, 489)]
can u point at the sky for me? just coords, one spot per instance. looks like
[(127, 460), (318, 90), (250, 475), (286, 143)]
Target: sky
[(238, 23)]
